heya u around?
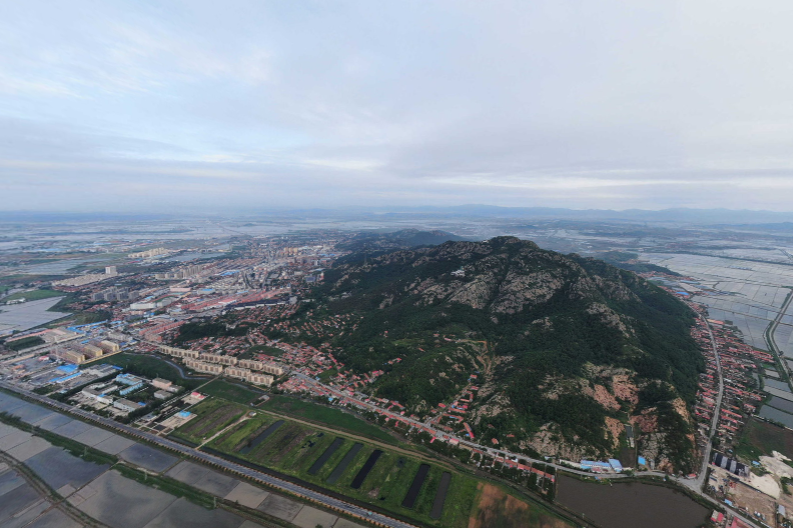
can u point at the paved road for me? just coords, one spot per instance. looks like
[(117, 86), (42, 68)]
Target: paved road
[(495, 452), (295, 489), (697, 484)]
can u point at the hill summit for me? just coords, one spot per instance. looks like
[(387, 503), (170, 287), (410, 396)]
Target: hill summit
[(563, 351)]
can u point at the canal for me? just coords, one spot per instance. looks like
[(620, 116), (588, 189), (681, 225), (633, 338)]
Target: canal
[(632, 504)]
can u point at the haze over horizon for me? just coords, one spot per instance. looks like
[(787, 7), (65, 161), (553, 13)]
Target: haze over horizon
[(182, 106)]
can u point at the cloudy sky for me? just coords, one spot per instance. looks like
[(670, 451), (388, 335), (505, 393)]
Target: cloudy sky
[(254, 105)]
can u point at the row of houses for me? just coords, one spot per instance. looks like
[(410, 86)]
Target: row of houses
[(218, 359), (234, 372)]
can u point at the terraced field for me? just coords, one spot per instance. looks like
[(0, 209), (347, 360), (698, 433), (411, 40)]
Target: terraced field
[(350, 466)]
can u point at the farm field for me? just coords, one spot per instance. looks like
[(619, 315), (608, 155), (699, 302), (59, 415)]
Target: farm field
[(231, 391), (212, 416), (762, 438), (296, 449), (328, 416), (34, 295)]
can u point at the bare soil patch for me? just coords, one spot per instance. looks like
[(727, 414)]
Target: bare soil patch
[(497, 508)]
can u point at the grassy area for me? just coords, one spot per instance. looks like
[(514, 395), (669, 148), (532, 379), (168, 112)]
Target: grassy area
[(82, 318), (25, 342), (212, 416), (151, 367), (293, 448), (231, 391), (328, 375), (327, 416), (762, 438), (34, 295), (264, 349)]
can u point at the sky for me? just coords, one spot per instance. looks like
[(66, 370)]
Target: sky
[(243, 106)]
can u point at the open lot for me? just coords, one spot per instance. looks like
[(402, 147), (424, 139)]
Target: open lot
[(494, 507), (231, 391), (762, 438)]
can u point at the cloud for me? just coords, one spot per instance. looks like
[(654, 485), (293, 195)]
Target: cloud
[(558, 103)]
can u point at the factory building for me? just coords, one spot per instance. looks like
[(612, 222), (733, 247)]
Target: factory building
[(70, 356), (97, 395), (125, 405), (109, 346), (92, 351), (163, 384)]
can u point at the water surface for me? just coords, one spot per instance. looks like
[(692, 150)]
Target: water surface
[(630, 505)]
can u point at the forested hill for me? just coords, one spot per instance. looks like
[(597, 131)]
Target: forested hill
[(404, 239), (565, 349)]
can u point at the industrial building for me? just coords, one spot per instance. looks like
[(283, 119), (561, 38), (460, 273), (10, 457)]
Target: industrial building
[(109, 346), (100, 396), (126, 405), (92, 351), (163, 384), (70, 356)]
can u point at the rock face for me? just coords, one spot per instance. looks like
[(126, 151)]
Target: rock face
[(564, 349)]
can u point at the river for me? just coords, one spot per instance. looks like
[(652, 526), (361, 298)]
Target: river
[(629, 505)]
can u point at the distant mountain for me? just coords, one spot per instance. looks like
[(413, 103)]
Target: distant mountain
[(34, 217), (565, 349), (675, 215), (680, 215), (403, 239)]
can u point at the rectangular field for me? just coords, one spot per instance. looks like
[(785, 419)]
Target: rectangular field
[(327, 416), (349, 467), (213, 416), (440, 495), (231, 391), (344, 464), (325, 456), (357, 482), (418, 482), (762, 438)]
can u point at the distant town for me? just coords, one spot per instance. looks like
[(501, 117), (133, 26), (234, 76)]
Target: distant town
[(195, 341)]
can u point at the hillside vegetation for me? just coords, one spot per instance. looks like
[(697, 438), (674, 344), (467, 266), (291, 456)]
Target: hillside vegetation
[(565, 349)]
